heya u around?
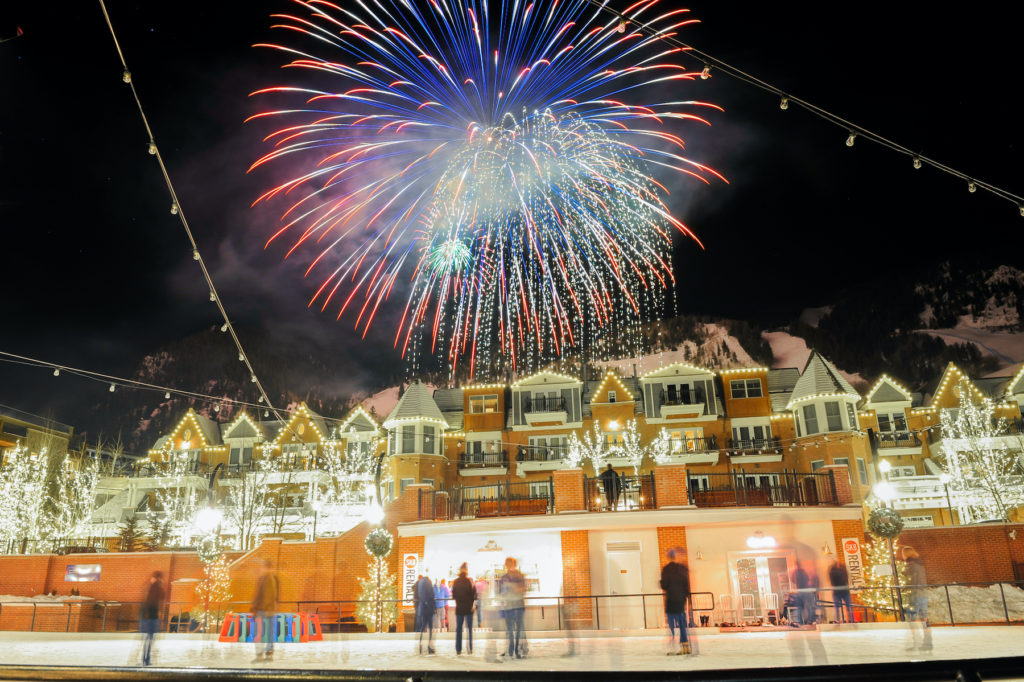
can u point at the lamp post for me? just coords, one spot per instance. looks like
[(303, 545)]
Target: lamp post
[(886, 492)]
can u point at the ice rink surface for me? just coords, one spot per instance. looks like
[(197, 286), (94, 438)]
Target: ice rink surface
[(368, 652)]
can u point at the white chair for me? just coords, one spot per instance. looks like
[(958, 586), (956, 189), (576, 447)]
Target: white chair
[(726, 611), (747, 607), (771, 603)]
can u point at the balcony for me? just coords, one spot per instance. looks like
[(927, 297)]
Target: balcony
[(633, 493), (762, 490), (486, 501), (897, 443), (754, 450), (541, 458), (546, 410), (484, 464), (919, 492), (681, 405), (693, 450), (1009, 438)]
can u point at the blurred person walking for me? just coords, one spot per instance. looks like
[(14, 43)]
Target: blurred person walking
[(512, 588), (149, 614), (441, 594), (840, 579), (464, 593), (919, 630), (424, 595), (675, 581), (482, 588), (264, 609)]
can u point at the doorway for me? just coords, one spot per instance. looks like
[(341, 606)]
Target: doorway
[(760, 581), (625, 576)]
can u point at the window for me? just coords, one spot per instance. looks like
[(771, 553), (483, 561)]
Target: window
[(685, 440), (540, 489), (403, 483), (841, 461), (835, 422), (810, 420), (355, 447), (428, 481), (235, 457), (611, 396), (408, 438), (429, 443), (483, 404), (816, 464), (745, 388), (755, 435), (613, 438), (901, 472), (894, 421), (852, 415), (544, 448), (862, 471)]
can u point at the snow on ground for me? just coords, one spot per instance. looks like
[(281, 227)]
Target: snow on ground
[(792, 351), (384, 652), (707, 354), (1006, 347), (975, 604), (812, 316), (382, 402)]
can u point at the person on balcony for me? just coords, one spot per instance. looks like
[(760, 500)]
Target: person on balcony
[(612, 484)]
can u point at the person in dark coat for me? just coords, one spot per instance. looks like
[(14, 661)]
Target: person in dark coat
[(264, 610), (918, 598), (840, 579), (612, 484), (675, 581), (512, 588), (424, 591), (464, 594), (149, 614)]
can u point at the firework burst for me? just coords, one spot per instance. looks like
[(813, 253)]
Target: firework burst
[(501, 157)]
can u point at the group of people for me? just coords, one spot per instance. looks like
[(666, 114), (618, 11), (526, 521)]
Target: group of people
[(432, 608)]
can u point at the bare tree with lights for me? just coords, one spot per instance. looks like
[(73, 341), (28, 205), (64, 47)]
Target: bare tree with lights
[(250, 500), (24, 497), (985, 476), (178, 494)]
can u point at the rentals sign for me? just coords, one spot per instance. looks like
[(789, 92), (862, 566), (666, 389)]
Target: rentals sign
[(854, 561)]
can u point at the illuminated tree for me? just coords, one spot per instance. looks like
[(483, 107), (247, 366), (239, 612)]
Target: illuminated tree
[(629, 446), (250, 500), (661, 448), (74, 499), (878, 577), (178, 491), (378, 593), (23, 497), (985, 477), (215, 588)]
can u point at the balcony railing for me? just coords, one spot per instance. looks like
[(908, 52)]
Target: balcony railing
[(899, 439), (545, 404), (762, 490), (482, 501), (536, 453), (483, 460), (631, 493), (682, 446), (754, 446), (680, 399)]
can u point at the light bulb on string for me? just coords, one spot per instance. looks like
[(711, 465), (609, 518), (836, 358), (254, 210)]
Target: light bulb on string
[(213, 297), (113, 388), (216, 408), (126, 76), (706, 73), (917, 162), (784, 103), (241, 358), (850, 139), (56, 372), (1021, 207), (174, 209), (260, 399), (167, 395), (224, 327), (622, 27), (971, 187), (152, 148), (195, 254)]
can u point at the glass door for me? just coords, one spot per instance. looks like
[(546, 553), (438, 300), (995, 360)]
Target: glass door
[(760, 581)]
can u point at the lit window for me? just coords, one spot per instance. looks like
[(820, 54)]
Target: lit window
[(745, 388), (835, 422), (483, 404)]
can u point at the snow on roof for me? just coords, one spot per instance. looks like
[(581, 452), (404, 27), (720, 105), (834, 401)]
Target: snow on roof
[(415, 403), (820, 377)]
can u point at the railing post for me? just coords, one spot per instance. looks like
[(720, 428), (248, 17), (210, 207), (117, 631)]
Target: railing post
[(1002, 595), (419, 503), (103, 623), (32, 625), (949, 605), (654, 490), (832, 481), (643, 604)]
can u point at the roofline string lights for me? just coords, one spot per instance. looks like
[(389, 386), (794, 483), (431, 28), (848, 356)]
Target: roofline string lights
[(785, 99)]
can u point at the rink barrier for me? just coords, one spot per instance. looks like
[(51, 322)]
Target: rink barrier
[(288, 627), (338, 615)]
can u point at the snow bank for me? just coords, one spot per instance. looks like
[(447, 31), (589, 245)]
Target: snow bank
[(1006, 347), (41, 598), (707, 353), (812, 316), (792, 351), (975, 604), (384, 401)]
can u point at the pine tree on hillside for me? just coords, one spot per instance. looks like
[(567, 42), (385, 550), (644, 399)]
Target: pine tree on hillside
[(131, 536)]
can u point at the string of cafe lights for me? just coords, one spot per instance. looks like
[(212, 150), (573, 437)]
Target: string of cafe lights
[(853, 131), (177, 210)]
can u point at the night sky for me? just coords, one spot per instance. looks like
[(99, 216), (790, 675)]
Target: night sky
[(97, 272)]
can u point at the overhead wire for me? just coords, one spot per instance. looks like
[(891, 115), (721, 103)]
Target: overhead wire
[(854, 130)]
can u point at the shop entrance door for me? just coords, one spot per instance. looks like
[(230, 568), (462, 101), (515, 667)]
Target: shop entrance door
[(760, 581), (624, 578)]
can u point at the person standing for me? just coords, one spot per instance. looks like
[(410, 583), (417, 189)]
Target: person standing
[(512, 588), (149, 615), (482, 588), (918, 599), (464, 593), (264, 608), (612, 485), (675, 581), (424, 592), (840, 579)]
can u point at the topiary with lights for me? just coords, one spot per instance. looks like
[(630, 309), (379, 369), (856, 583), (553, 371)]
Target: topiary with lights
[(378, 592)]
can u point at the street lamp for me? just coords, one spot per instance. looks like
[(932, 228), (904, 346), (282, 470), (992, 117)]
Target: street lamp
[(886, 493), (208, 519)]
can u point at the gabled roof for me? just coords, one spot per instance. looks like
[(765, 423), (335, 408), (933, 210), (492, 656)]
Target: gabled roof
[(1016, 385), (546, 377), (449, 399), (951, 376), (303, 412), (820, 378), (888, 390), (242, 427), (358, 420), (780, 386), (209, 432), (415, 404), (676, 369), (612, 381)]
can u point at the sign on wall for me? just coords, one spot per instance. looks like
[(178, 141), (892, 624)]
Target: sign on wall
[(82, 573), (854, 561), (410, 568)]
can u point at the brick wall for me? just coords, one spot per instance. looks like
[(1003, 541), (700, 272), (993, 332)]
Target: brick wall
[(576, 576), (841, 475), (670, 485), (670, 537), (568, 490), (967, 553)]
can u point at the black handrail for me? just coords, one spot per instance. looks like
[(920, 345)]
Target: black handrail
[(545, 404), (756, 489), (632, 493), (899, 439), (746, 446)]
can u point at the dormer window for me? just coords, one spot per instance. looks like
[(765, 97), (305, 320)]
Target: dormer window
[(810, 420), (611, 396), (745, 388)]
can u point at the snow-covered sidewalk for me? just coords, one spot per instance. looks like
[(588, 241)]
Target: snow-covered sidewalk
[(368, 652)]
